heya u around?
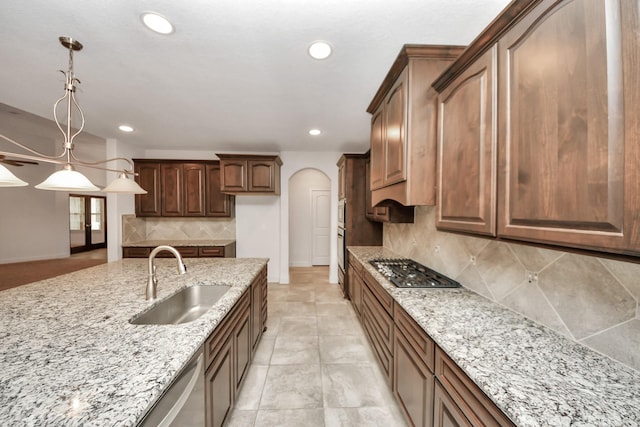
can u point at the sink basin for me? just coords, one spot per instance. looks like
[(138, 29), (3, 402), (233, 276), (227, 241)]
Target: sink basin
[(184, 306)]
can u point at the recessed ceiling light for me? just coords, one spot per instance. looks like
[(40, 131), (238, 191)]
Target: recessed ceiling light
[(125, 128), (157, 23), (315, 132), (320, 49)]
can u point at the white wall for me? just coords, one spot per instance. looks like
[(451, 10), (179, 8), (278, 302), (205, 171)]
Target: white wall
[(300, 214)]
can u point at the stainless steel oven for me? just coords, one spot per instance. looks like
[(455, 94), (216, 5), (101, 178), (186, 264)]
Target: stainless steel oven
[(341, 213)]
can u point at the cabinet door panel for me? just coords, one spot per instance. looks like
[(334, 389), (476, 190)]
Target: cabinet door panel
[(149, 179), (172, 188), (377, 150), (563, 126), (219, 387), (261, 176), (194, 189), (218, 203), (446, 412), (233, 175), (395, 112), (243, 348), (467, 150)]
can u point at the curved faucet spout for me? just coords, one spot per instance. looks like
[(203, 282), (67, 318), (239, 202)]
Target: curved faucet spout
[(152, 280)]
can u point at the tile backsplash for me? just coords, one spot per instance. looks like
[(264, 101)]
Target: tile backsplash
[(138, 229), (591, 300)]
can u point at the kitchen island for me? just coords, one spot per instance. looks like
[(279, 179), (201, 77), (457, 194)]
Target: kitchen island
[(534, 375), (69, 356)]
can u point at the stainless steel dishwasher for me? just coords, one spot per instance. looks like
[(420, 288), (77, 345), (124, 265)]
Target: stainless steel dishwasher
[(182, 404)]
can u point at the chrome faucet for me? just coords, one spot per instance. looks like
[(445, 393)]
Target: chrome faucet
[(152, 281)]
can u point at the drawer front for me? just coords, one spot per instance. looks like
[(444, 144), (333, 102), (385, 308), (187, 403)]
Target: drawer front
[(381, 321), (475, 405), (423, 345), (386, 300), (185, 252), (211, 251), (219, 336), (135, 252), (384, 356), (357, 266)]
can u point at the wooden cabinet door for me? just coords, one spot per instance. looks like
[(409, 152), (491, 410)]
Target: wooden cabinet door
[(368, 207), (467, 150), (342, 179), (233, 175), (243, 345), (148, 178), (171, 177), (220, 386), (194, 189), (377, 149), (412, 383), (445, 411), (218, 203), (395, 110), (261, 176), (256, 312), (568, 99)]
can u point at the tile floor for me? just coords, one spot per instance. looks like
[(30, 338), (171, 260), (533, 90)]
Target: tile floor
[(314, 366)]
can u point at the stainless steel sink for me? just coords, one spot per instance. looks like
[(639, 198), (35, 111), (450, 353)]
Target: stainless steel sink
[(184, 306)]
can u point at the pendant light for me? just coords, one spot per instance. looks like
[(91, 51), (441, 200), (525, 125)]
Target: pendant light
[(69, 179)]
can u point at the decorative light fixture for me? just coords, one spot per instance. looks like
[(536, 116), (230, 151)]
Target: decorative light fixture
[(68, 179), (320, 49)]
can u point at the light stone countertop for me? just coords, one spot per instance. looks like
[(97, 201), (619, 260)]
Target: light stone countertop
[(535, 375), (153, 243), (70, 357)]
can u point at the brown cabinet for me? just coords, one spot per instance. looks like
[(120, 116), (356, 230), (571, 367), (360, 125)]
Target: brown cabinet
[(249, 174), (428, 386), (387, 211), (148, 177), (178, 188), (228, 251), (467, 156), (258, 309), (569, 161), (413, 362), (466, 397), (228, 353), (403, 127), (354, 227), (568, 120)]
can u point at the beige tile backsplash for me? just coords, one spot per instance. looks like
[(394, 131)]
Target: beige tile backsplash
[(138, 229), (591, 300)]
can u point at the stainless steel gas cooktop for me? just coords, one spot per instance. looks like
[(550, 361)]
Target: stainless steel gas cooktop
[(406, 273)]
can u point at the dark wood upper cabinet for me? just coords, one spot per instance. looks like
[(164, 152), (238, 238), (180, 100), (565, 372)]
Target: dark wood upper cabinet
[(218, 203), (249, 174), (171, 183), (568, 125), (403, 127), (467, 156), (178, 188), (569, 152), (148, 177)]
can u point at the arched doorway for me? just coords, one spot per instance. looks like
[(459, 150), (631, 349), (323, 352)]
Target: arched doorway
[(309, 218)]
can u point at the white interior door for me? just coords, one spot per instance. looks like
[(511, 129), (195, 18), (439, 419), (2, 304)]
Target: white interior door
[(320, 214)]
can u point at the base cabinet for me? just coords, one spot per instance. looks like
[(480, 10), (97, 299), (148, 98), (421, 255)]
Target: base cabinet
[(429, 387), (228, 352), (228, 251)]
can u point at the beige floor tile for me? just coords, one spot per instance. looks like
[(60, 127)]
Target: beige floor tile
[(344, 349), (340, 324), (241, 418), (251, 391), (290, 418), (292, 387), (298, 325), (350, 386), (295, 350), (377, 416)]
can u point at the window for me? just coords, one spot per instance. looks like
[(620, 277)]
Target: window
[(76, 213)]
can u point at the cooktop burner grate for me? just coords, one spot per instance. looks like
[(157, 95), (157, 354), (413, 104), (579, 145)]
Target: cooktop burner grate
[(406, 273)]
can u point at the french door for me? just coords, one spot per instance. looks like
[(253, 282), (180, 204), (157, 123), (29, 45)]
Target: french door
[(87, 222)]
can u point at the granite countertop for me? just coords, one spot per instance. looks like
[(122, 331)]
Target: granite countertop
[(535, 375), (70, 357), (153, 243)]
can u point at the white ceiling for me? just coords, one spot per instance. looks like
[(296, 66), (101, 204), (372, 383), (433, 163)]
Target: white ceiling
[(235, 75)]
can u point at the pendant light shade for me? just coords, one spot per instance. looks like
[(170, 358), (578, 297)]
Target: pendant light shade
[(7, 179), (124, 185), (67, 179)]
